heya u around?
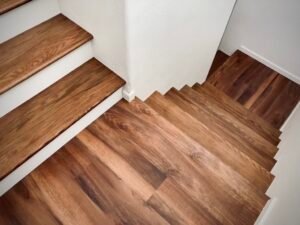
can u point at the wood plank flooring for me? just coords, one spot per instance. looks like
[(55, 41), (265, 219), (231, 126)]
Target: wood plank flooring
[(142, 164), (258, 88), (219, 60), (31, 126), (36, 48), (7, 5)]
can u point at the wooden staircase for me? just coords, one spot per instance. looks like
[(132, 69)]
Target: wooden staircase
[(33, 131), (189, 157)]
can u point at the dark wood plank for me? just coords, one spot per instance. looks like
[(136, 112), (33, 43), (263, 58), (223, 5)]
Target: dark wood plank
[(45, 116), (33, 50), (277, 102), (218, 126), (231, 123), (255, 175), (257, 87), (173, 152), (219, 60), (242, 114), (7, 5)]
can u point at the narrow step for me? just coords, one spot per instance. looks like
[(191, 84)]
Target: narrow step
[(256, 176), (44, 117), (187, 165), (246, 117), (190, 96), (233, 125), (26, 54), (7, 5)]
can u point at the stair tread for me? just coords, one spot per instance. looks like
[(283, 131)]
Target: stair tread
[(38, 47), (256, 175), (181, 159), (245, 116), (217, 125), (7, 5), (48, 114), (235, 126)]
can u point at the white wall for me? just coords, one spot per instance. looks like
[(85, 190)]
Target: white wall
[(172, 42), (26, 16), (105, 20), (268, 30), (284, 208)]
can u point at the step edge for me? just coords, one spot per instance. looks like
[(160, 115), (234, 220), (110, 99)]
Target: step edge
[(47, 151), (19, 94)]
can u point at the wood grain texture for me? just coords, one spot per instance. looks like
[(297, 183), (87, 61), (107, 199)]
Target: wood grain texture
[(257, 87), (35, 49), (44, 117), (256, 175), (141, 165), (7, 5), (219, 60), (218, 126)]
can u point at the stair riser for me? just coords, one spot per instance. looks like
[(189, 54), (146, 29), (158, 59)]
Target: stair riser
[(19, 94), (25, 17), (33, 162)]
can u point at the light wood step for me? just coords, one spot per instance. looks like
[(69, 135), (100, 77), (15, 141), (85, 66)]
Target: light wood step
[(256, 176), (217, 125), (28, 53), (187, 165), (7, 5), (242, 114), (28, 128)]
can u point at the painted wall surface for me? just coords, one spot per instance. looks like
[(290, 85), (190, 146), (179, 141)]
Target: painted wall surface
[(284, 191), (172, 42), (104, 19), (26, 16), (268, 29)]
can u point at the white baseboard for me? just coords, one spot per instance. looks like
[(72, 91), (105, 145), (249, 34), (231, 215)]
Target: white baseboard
[(42, 155), (271, 64), (26, 16), (43, 79), (266, 211)]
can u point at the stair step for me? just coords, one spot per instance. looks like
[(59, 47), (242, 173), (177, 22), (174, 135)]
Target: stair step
[(28, 53), (187, 166), (256, 176), (217, 125), (44, 117), (233, 125), (245, 116), (7, 5)]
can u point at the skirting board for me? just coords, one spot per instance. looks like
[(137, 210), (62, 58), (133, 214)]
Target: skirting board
[(266, 212), (270, 64), (22, 171)]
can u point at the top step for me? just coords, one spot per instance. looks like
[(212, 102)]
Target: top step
[(7, 5), (28, 53)]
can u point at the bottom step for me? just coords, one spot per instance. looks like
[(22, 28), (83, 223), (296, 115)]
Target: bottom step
[(43, 118)]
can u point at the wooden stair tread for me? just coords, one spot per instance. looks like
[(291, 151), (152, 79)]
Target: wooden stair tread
[(45, 116), (7, 5), (36, 48), (246, 117), (256, 176), (216, 124), (235, 126), (181, 159)]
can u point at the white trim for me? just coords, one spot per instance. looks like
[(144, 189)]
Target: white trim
[(266, 211), (42, 155), (128, 93), (271, 64), (24, 91)]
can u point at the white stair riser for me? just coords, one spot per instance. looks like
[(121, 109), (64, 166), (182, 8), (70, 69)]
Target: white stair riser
[(24, 91), (26, 16), (41, 156)]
